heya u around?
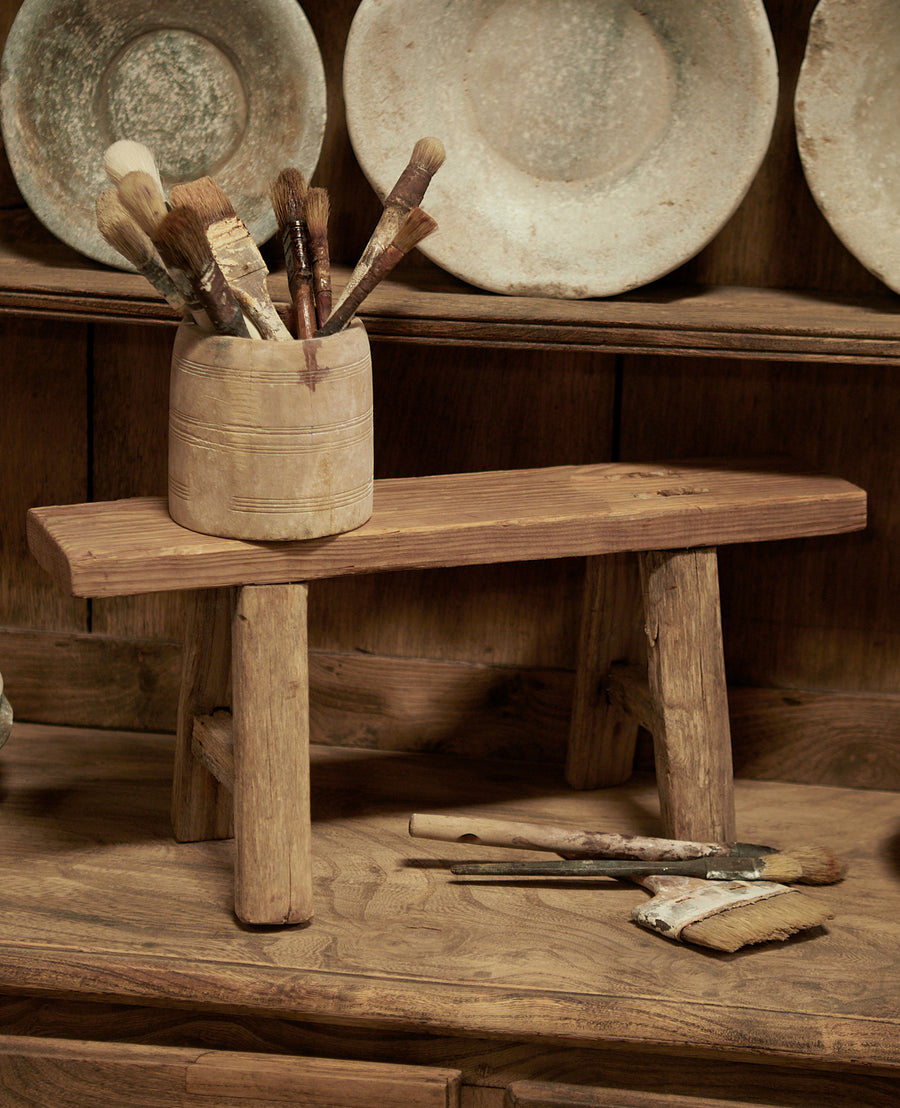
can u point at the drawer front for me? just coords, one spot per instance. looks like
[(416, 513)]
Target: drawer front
[(57, 1073)]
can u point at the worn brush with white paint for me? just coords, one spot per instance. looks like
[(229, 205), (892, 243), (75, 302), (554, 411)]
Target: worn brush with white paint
[(235, 252)]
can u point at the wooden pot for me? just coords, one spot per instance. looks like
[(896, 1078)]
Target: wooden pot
[(270, 440)]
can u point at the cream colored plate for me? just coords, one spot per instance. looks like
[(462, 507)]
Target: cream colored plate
[(847, 112), (232, 88), (592, 145)]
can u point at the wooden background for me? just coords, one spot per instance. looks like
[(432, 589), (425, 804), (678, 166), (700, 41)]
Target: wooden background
[(480, 659)]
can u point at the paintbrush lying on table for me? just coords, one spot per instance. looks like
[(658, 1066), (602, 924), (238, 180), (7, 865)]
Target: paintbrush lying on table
[(817, 865), (721, 915), (810, 866)]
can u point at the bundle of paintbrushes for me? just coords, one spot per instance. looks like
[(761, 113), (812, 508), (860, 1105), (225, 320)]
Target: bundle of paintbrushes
[(719, 895), (197, 252)]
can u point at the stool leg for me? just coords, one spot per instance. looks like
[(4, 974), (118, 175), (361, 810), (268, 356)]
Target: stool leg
[(201, 807), (602, 736), (686, 673), (270, 679)]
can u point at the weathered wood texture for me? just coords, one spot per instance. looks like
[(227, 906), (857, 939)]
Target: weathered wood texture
[(270, 685), (692, 741), (464, 381), (115, 548), (101, 905), (71, 1074)]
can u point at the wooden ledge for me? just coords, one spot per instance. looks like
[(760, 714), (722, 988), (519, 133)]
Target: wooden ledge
[(124, 547)]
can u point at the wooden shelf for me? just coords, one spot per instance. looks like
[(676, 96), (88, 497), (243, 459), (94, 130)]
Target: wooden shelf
[(423, 304), (100, 904)]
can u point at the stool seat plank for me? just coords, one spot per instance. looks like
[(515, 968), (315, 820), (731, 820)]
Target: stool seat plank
[(124, 547)]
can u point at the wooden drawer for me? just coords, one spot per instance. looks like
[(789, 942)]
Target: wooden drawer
[(57, 1073), (544, 1094)]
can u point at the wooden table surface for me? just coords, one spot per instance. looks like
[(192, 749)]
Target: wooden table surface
[(100, 903)]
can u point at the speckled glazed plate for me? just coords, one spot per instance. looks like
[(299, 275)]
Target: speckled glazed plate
[(847, 113), (231, 88), (592, 145)]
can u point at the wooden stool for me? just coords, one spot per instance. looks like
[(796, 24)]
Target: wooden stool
[(245, 639)]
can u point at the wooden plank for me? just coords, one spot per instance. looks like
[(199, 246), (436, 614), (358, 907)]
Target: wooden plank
[(428, 306), (133, 546), (551, 1094), (100, 904), (602, 738), (518, 713), (44, 436), (73, 1073), (270, 692), (201, 809), (692, 747)]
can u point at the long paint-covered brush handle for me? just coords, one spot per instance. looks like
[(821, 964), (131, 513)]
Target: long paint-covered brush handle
[(571, 843), (732, 868)]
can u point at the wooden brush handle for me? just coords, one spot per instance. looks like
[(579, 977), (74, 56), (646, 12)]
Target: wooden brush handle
[(570, 843)]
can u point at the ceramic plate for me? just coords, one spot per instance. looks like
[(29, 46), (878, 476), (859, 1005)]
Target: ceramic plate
[(847, 112), (230, 88), (592, 145)]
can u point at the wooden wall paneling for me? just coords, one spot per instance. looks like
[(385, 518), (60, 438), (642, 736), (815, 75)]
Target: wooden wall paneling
[(820, 613), (355, 207), (130, 443), (446, 410), (778, 238), (44, 432)]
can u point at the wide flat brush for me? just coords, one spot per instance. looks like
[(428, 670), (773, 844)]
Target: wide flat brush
[(726, 916), (318, 207), (288, 192), (182, 244), (808, 867), (417, 226), (567, 841), (235, 252), (426, 159), (124, 235)]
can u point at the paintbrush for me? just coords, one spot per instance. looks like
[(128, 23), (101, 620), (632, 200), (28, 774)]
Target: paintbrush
[(288, 192), (124, 235), (426, 159), (126, 156), (808, 866), (235, 252), (317, 212), (417, 226), (566, 841), (726, 916), (183, 246), (142, 199)]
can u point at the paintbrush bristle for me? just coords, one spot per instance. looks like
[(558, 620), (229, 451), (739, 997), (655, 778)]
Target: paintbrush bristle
[(760, 921), (417, 226), (121, 230), (288, 192), (127, 156), (818, 865), (429, 154), (182, 242), (318, 211), (206, 196), (143, 200)]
